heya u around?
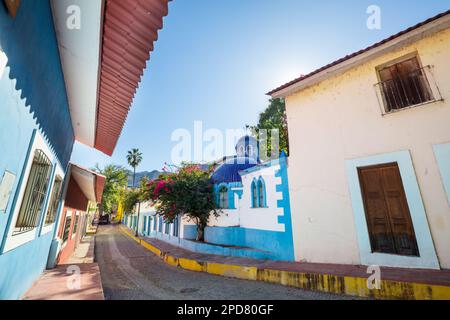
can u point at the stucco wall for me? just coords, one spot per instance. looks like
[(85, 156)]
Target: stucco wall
[(340, 119), (32, 96), (262, 218)]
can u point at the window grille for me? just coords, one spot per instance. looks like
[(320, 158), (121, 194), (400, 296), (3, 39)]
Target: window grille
[(35, 192)]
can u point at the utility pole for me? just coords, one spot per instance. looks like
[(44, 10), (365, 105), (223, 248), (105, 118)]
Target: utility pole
[(137, 224)]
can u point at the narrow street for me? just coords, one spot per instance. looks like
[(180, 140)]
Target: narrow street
[(130, 272)]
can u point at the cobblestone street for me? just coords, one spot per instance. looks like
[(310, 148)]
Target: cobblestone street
[(130, 272)]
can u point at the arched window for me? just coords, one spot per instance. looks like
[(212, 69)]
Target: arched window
[(261, 193), (223, 197), (254, 192)]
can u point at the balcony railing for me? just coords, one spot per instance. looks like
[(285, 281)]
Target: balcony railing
[(406, 91)]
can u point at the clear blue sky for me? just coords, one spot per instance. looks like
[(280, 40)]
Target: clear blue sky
[(215, 60)]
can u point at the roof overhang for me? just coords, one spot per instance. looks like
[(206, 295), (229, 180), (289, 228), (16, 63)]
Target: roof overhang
[(130, 29), (80, 59), (90, 183), (404, 38), (103, 61)]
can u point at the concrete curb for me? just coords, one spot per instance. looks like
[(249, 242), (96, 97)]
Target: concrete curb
[(348, 285)]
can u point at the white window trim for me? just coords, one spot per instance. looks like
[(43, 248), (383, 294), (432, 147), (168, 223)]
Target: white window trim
[(47, 228), (15, 241), (3, 63), (428, 258)]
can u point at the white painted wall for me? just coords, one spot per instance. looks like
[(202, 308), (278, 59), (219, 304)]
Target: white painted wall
[(254, 218), (262, 218), (340, 119), (79, 50)]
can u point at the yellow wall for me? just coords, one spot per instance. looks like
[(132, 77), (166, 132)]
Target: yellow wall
[(340, 119)]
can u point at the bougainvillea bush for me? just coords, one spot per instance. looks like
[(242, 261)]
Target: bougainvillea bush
[(188, 192)]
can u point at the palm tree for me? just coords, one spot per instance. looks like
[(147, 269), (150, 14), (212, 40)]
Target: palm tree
[(134, 158)]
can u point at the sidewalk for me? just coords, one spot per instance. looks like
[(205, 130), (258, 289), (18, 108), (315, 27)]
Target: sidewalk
[(396, 283), (62, 283)]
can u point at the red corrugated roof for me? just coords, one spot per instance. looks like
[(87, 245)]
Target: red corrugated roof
[(350, 56), (130, 29)]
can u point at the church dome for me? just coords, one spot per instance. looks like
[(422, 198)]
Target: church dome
[(228, 171), (248, 146)]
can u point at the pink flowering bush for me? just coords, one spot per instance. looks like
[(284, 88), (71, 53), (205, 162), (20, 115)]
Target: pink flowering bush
[(188, 192)]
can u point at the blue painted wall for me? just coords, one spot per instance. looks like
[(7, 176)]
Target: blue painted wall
[(269, 244), (32, 96)]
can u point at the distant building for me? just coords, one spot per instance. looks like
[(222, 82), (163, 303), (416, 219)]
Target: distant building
[(255, 218), (370, 153)]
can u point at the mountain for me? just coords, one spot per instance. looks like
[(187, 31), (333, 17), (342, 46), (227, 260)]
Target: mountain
[(139, 175)]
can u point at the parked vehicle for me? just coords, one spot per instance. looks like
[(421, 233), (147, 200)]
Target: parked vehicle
[(104, 220)]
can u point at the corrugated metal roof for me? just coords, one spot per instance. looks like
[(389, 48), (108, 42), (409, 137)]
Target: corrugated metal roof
[(130, 29), (350, 56)]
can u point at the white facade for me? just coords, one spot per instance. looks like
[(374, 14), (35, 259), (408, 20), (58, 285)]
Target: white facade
[(337, 125)]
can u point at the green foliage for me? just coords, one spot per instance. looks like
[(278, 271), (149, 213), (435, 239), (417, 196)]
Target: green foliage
[(130, 199), (274, 117), (187, 192), (116, 182)]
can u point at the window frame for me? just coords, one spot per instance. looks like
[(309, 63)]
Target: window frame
[(46, 228), (223, 194), (254, 194), (75, 224), (427, 73), (262, 198), (12, 241), (69, 214)]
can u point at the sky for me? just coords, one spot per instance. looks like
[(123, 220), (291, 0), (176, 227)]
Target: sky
[(215, 60)]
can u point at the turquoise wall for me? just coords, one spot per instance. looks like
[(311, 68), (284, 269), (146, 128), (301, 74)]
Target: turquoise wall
[(442, 153), (32, 97)]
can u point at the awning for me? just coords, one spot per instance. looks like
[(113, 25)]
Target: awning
[(90, 183)]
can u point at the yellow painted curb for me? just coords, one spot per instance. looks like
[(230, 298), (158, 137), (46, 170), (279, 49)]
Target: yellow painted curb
[(354, 286)]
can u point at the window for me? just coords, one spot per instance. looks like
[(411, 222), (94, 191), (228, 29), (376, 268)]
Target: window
[(167, 228), (261, 193), (35, 192), (254, 192), (66, 230), (223, 197), (160, 224), (75, 223), (404, 84), (176, 226), (54, 201)]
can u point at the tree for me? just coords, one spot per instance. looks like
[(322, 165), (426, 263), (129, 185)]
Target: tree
[(274, 117), (133, 197), (134, 158), (116, 183), (189, 192)]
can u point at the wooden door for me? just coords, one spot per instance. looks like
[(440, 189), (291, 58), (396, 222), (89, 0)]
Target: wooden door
[(387, 212)]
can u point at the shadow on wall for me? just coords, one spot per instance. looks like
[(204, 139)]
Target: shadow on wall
[(29, 42)]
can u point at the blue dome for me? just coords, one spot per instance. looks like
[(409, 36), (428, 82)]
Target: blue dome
[(229, 170)]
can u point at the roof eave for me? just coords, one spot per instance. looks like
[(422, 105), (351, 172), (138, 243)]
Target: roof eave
[(378, 49)]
